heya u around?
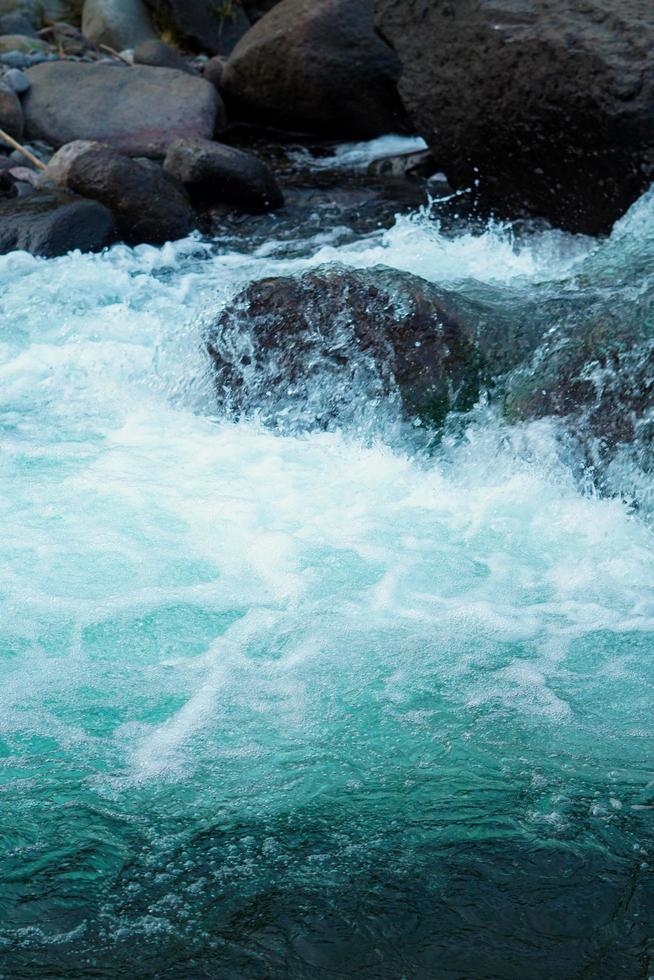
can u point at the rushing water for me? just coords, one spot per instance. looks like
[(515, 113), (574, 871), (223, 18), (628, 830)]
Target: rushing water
[(311, 705)]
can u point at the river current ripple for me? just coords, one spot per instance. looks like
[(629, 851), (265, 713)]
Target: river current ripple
[(313, 704)]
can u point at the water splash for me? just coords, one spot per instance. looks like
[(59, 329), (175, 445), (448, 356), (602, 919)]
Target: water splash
[(271, 700), (359, 156)]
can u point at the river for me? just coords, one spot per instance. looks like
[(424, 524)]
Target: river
[(307, 703)]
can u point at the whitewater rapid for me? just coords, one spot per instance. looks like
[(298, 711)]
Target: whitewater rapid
[(205, 623)]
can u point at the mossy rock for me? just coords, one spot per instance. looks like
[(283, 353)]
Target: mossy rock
[(214, 26), (20, 42)]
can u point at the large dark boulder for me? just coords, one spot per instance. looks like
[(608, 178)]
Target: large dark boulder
[(53, 223), (218, 174), (147, 207), (543, 107), (316, 66), (139, 111), (315, 348), (203, 25)]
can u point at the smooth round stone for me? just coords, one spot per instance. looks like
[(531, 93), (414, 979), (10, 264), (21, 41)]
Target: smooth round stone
[(18, 80), (15, 59), (40, 56)]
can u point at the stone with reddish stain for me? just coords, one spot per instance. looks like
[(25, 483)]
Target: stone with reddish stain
[(139, 111)]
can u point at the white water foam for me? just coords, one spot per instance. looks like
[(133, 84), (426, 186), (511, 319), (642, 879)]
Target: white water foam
[(228, 590), (359, 156)]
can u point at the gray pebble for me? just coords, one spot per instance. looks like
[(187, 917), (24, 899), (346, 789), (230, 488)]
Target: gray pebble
[(40, 56), (18, 80), (15, 59)]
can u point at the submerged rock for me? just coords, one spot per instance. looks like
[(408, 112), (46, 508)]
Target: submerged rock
[(545, 107), (50, 224), (594, 370), (147, 207), (218, 174), (313, 347), (139, 111), (317, 68)]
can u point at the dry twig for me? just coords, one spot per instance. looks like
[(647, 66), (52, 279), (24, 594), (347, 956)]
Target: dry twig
[(22, 149), (116, 54)]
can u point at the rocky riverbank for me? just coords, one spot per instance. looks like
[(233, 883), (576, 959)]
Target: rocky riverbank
[(540, 112), (163, 86)]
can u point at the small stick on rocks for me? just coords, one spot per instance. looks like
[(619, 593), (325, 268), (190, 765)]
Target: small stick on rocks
[(6, 138), (116, 54)]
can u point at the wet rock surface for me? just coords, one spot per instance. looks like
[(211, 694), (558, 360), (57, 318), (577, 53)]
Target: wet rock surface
[(372, 333), (570, 354), (320, 199), (49, 224), (594, 370), (544, 107), (217, 174)]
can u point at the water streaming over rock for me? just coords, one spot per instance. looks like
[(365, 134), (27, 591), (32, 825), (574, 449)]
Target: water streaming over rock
[(313, 703)]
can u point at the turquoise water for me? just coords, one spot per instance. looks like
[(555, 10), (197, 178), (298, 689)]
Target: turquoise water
[(311, 705)]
